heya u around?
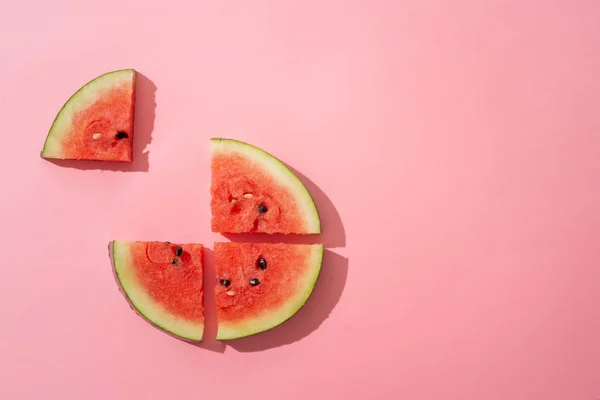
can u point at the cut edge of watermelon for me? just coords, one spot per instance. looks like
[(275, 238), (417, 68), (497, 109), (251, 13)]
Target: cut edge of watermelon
[(280, 172), (141, 303), (81, 99), (270, 320)]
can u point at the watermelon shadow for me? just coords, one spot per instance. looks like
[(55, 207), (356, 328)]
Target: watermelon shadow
[(316, 310), (145, 108), (332, 228), (209, 340)]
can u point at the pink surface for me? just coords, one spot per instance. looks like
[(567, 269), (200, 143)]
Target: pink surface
[(454, 145)]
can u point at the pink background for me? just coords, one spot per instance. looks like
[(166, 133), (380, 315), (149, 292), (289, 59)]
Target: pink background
[(452, 148)]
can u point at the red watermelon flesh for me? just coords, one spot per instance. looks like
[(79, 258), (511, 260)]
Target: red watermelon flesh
[(252, 191), (260, 285), (164, 283), (97, 122)]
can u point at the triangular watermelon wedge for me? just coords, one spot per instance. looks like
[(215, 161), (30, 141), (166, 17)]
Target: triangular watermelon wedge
[(261, 285), (96, 123), (163, 283), (252, 191)]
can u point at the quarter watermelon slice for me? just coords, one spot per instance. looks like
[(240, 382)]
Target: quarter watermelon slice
[(163, 282), (261, 285), (252, 191), (96, 123)]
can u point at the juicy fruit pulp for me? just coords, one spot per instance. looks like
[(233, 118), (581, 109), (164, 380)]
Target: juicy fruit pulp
[(259, 285), (253, 295), (96, 123), (164, 283), (252, 191)]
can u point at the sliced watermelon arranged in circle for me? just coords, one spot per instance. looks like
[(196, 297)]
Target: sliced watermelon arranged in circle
[(163, 282), (252, 191), (96, 123), (261, 285)]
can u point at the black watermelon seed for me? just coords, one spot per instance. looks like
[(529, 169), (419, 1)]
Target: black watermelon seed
[(173, 261), (121, 135), (225, 282), (254, 282), (262, 263), (262, 209), (179, 251)]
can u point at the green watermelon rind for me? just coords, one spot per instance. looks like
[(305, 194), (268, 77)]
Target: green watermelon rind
[(286, 176), (275, 318), (142, 305), (52, 148)]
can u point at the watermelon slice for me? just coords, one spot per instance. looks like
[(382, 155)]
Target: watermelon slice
[(252, 191), (96, 123), (261, 285), (163, 283)]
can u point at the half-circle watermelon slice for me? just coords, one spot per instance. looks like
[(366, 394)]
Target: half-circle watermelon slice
[(261, 285), (163, 283), (252, 191), (96, 123)]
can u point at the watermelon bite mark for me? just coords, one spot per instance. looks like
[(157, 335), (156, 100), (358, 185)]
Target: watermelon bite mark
[(97, 122), (164, 284)]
